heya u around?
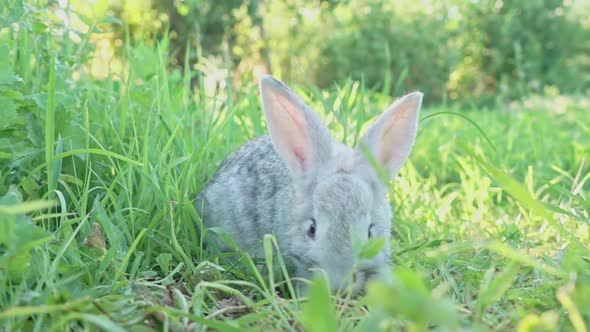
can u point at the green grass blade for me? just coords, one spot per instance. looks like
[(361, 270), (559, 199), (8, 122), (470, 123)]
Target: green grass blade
[(466, 118), (50, 130), (26, 207)]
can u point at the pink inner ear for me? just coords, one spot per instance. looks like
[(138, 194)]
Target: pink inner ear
[(296, 131), (385, 151), (396, 133), (299, 154)]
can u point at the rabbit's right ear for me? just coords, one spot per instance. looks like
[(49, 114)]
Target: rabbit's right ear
[(391, 138), (297, 133)]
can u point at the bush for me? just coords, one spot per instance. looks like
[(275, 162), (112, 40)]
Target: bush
[(392, 48), (478, 52), (466, 51), (514, 48)]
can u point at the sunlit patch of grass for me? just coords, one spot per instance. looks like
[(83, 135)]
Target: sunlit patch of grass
[(491, 226)]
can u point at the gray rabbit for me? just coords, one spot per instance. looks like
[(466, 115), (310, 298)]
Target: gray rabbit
[(309, 190)]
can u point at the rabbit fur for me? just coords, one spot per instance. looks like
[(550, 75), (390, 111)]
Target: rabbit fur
[(310, 190)]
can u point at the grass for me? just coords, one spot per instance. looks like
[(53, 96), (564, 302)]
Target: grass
[(97, 229)]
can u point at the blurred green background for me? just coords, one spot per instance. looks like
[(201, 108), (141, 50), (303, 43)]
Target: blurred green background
[(477, 52)]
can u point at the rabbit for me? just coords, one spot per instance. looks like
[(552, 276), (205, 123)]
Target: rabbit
[(310, 190)]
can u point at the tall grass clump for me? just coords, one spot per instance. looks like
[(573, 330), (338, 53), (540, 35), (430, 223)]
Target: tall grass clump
[(98, 171)]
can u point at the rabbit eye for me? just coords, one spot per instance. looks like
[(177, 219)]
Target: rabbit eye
[(311, 229), (371, 231)]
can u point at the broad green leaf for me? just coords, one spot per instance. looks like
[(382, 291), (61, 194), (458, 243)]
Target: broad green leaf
[(406, 296), (372, 247), (7, 113), (319, 314), (18, 235)]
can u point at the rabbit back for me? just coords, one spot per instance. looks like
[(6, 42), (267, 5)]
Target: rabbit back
[(247, 196)]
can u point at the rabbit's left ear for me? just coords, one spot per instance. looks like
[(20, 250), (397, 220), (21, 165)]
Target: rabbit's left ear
[(297, 133), (391, 137)]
